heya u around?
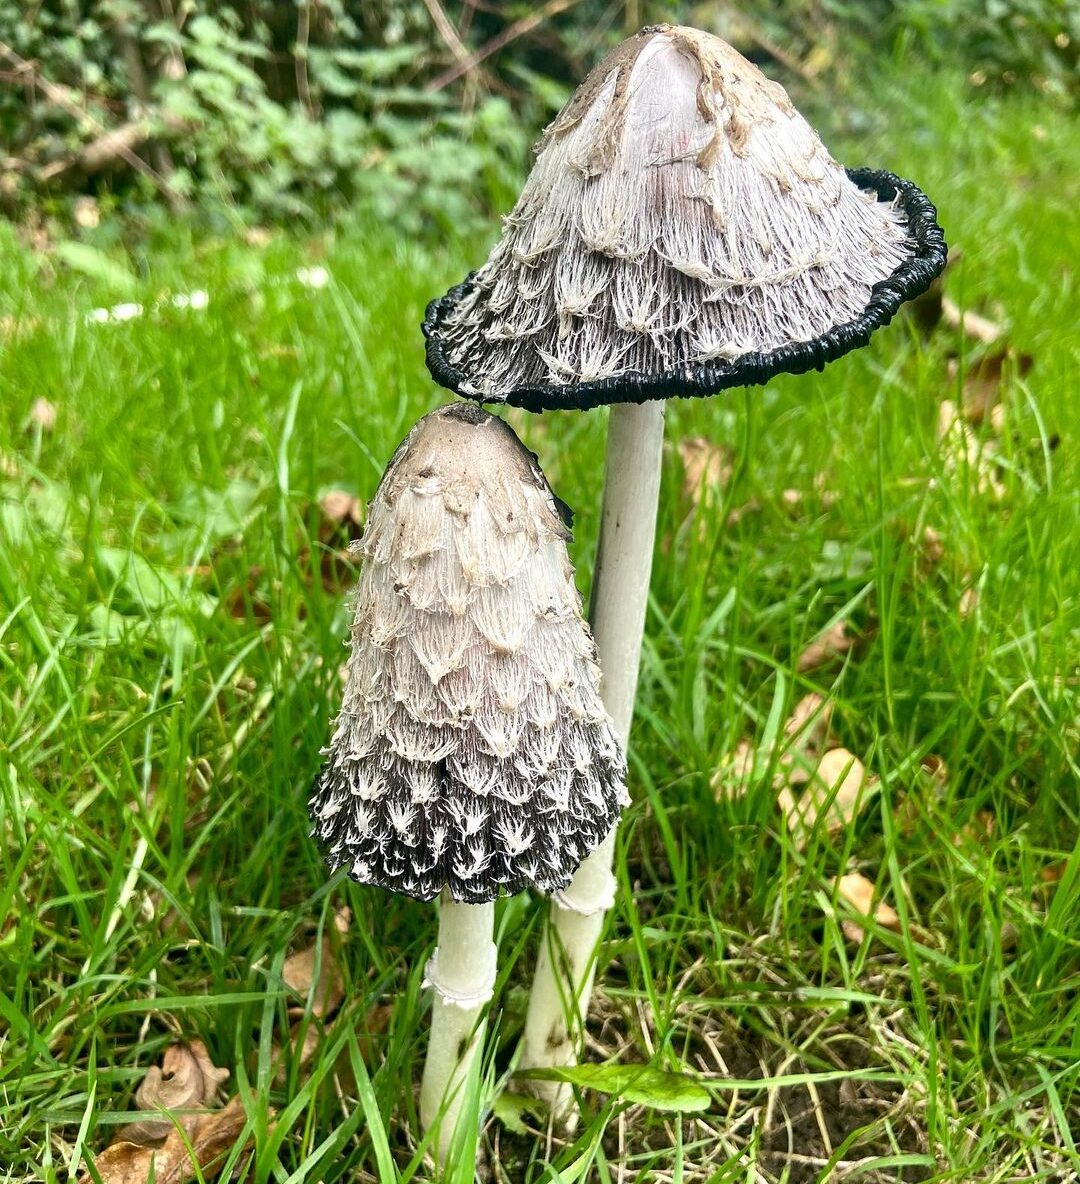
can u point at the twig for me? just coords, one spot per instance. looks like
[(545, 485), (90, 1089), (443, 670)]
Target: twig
[(763, 41), (61, 96), (300, 57), (140, 85), (447, 32), (93, 157), (511, 33)]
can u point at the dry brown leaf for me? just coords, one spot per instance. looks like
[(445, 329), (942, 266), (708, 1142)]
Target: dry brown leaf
[(43, 414), (809, 722), (806, 732), (935, 768), (707, 468), (313, 1032), (968, 603), (342, 509), (931, 545), (961, 449), (202, 1147), (243, 602), (984, 381), (1053, 873), (732, 777), (15, 327), (838, 790), (300, 971), (826, 495), (970, 323), (188, 1080), (738, 513), (834, 642), (858, 891), (978, 830)]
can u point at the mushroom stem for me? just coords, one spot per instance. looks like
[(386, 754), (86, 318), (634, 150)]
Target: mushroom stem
[(462, 973), (562, 986)]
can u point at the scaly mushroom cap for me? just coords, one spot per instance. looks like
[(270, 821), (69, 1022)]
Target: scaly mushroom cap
[(683, 230), (472, 750)]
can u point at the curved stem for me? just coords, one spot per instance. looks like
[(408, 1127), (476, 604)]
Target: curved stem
[(562, 987), (462, 973)]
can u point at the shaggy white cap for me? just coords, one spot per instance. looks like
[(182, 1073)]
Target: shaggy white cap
[(472, 750), (680, 212)]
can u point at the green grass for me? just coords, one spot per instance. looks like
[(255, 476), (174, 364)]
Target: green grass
[(169, 662)]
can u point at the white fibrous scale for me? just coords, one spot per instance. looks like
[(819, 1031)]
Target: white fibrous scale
[(472, 750), (680, 211)]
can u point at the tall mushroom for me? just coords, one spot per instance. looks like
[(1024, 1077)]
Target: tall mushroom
[(682, 231), (472, 754)]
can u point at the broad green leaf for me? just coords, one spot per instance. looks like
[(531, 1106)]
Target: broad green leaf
[(510, 1110), (634, 1083), (95, 264)]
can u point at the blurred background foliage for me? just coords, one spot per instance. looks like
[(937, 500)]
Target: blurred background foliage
[(419, 111)]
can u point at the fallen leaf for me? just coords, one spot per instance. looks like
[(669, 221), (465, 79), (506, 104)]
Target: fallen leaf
[(935, 768), (961, 450), (15, 327), (185, 1154), (375, 1023), (187, 1080), (834, 642), (313, 973), (313, 1033), (985, 380), (707, 468), (810, 720), (43, 414), (978, 830), (826, 495), (738, 513), (931, 545), (243, 602), (969, 323), (340, 509), (806, 732), (837, 791), (858, 891), (731, 779), (1054, 872)]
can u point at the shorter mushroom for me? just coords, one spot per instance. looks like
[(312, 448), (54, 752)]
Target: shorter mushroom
[(472, 754)]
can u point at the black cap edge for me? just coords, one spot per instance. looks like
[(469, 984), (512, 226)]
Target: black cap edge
[(909, 280)]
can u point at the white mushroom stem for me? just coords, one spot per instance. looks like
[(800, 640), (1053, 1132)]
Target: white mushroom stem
[(562, 987), (462, 973)]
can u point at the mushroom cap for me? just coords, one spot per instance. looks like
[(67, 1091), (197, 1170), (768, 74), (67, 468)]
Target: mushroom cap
[(472, 751), (683, 230)]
